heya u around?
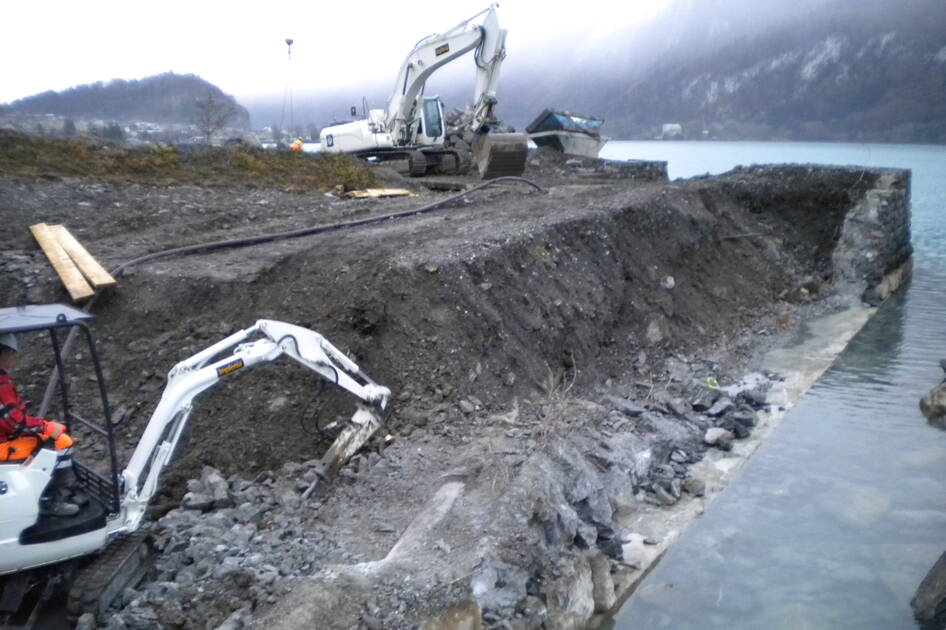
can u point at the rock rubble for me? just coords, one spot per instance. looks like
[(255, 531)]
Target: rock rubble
[(236, 546)]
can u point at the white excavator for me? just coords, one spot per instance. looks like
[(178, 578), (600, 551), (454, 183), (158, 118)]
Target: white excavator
[(100, 549), (412, 127)]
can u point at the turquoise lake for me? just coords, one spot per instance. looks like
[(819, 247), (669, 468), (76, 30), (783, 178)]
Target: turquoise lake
[(837, 518)]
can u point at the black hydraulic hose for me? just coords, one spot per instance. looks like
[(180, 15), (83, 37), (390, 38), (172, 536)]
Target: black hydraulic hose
[(318, 229), (256, 240)]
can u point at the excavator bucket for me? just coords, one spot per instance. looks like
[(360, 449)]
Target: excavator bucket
[(500, 154)]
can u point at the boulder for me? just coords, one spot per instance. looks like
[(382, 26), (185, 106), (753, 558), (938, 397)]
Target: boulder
[(933, 405), (756, 398), (497, 585), (720, 408), (678, 407), (197, 501), (719, 437), (704, 399), (929, 603), (696, 487), (602, 583), (740, 431), (464, 616), (570, 597), (663, 496), (746, 417), (625, 406), (236, 620)]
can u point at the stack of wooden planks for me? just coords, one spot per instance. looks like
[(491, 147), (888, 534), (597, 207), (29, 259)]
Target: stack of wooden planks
[(80, 272)]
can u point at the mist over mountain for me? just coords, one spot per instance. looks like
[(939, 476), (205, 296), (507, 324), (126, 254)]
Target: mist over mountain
[(869, 70), (813, 70), (163, 98), (841, 70)]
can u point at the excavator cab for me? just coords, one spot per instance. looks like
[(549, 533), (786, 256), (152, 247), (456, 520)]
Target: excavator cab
[(54, 319), (23, 482), (430, 131)]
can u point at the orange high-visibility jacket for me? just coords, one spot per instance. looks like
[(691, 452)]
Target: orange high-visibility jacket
[(13, 416)]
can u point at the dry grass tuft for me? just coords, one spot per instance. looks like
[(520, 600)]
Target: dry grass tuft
[(161, 164)]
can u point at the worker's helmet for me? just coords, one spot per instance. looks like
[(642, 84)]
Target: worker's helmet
[(8, 340)]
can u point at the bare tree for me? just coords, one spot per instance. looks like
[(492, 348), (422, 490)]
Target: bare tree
[(213, 114)]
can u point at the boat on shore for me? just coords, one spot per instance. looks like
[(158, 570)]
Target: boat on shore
[(567, 132)]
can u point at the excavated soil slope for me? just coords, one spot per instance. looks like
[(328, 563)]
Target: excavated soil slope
[(507, 296), (487, 297)]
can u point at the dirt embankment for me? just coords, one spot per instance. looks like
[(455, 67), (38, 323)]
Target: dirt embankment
[(501, 322)]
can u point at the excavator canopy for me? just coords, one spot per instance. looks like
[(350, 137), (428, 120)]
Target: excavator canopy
[(32, 317)]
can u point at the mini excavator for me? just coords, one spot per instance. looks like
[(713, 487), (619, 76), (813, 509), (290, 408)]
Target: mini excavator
[(412, 127), (100, 550)]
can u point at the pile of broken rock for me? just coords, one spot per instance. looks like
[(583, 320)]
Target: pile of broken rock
[(207, 568)]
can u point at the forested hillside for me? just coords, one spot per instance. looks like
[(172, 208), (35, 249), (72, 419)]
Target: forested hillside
[(164, 98)]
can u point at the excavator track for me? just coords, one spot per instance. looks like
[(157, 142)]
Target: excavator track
[(123, 563), (417, 164), (25, 596)]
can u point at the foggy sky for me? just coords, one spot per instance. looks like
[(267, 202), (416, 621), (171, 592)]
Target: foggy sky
[(239, 45)]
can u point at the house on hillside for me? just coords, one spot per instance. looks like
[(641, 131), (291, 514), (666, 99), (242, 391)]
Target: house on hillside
[(671, 130)]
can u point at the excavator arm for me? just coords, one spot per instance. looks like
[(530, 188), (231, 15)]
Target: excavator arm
[(488, 57), (195, 375), (431, 53), (437, 50)]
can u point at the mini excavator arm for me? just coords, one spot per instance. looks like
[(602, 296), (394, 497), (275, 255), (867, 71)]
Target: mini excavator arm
[(193, 376)]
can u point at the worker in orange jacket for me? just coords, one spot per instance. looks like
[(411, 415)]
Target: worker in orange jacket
[(21, 433)]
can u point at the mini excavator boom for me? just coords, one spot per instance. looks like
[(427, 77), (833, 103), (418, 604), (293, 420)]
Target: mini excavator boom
[(191, 377)]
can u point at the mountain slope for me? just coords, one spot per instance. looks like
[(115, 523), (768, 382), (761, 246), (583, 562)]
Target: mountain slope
[(810, 70), (164, 98)]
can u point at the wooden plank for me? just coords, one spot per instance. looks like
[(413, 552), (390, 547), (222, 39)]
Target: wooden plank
[(88, 265), (70, 275), (374, 193)]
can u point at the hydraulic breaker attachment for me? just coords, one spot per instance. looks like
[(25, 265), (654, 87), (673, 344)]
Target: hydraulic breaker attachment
[(358, 431), (500, 154)]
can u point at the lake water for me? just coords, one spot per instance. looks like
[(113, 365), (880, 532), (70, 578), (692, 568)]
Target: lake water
[(836, 519)]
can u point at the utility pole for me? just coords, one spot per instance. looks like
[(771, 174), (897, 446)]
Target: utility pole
[(287, 97)]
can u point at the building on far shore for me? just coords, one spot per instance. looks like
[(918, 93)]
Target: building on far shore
[(671, 130)]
